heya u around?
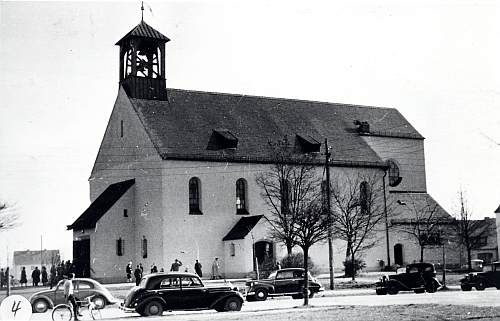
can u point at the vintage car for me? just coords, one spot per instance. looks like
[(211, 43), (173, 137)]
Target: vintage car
[(490, 277), (418, 277), (289, 281), (83, 287), (158, 292)]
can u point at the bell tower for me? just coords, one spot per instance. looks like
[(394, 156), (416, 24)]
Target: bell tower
[(142, 63)]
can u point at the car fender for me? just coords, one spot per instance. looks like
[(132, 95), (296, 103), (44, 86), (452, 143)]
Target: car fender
[(224, 297), (435, 280), (46, 298), (148, 299), (268, 287)]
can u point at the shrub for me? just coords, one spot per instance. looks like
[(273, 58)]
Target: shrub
[(296, 260), (359, 264)]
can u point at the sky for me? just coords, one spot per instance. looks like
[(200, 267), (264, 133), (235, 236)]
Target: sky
[(438, 64)]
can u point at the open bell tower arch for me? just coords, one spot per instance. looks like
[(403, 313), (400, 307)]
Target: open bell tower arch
[(142, 63)]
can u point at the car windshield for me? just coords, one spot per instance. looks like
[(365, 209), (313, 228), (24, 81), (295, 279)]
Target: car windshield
[(272, 275)]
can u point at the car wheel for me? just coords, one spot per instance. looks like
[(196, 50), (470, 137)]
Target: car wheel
[(153, 308), (232, 304), (418, 291), (392, 289), (465, 287), (99, 302), (480, 285), (40, 306), (431, 287), (260, 295), (381, 291)]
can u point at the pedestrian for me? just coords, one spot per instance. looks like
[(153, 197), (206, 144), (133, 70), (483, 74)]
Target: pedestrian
[(3, 278), (35, 276), (197, 268), (154, 269), (45, 278), (69, 294), (175, 266), (215, 269), (128, 270), (278, 265), (138, 275), (141, 267), (53, 276), (24, 278)]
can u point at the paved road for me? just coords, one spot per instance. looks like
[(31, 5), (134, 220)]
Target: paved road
[(489, 297)]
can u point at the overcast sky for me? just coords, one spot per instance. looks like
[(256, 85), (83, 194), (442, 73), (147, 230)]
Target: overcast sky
[(439, 65)]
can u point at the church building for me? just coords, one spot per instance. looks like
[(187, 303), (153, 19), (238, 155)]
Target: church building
[(174, 177)]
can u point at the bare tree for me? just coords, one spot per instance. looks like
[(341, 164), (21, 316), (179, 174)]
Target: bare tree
[(471, 233), (425, 224), (358, 211), (286, 187), (8, 219), (292, 189)]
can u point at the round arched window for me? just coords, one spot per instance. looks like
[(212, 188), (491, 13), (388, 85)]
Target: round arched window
[(394, 177)]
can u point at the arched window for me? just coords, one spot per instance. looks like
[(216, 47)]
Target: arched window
[(364, 197), (241, 204), (394, 175), (194, 196), (144, 248), (286, 196), (120, 247)]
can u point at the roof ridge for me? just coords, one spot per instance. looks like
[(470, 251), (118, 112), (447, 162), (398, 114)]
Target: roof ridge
[(279, 98)]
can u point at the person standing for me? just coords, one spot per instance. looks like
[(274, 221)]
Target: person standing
[(128, 270), (35, 276), (3, 278), (69, 294), (53, 276), (45, 278), (197, 268), (215, 269), (24, 278), (154, 269), (175, 266), (138, 275)]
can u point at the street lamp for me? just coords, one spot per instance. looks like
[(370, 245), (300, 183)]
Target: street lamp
[(444, 257)]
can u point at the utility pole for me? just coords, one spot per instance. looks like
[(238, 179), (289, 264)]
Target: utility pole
[(328, 201), (388, 248)]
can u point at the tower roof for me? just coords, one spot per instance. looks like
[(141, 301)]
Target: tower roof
[(146, 31)]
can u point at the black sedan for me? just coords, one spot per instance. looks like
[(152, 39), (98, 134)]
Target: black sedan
[(179, 291), (490, 277), (289, 281)]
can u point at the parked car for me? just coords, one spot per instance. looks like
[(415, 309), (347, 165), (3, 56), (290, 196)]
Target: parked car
[(490, 277), (418, 277), (476, 265), (179, 291), (289, 281), (83, 287)]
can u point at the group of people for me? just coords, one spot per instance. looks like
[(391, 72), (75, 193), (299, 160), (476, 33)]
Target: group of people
[(139, 270), (56, 273)]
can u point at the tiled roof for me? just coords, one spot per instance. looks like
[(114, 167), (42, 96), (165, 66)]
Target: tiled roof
[(146, 31), (409, 205), (242, 228), (182, 126), (101, 205)]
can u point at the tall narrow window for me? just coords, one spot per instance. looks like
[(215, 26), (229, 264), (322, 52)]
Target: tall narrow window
[(241, 205), (364, 197), (121, 128), (286, 195), (194, 196), (120, 247), (144, 248), (125, 213)]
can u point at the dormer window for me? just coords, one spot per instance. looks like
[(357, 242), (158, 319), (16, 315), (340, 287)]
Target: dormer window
[(222, 139), (363, 126), (308, 144)]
